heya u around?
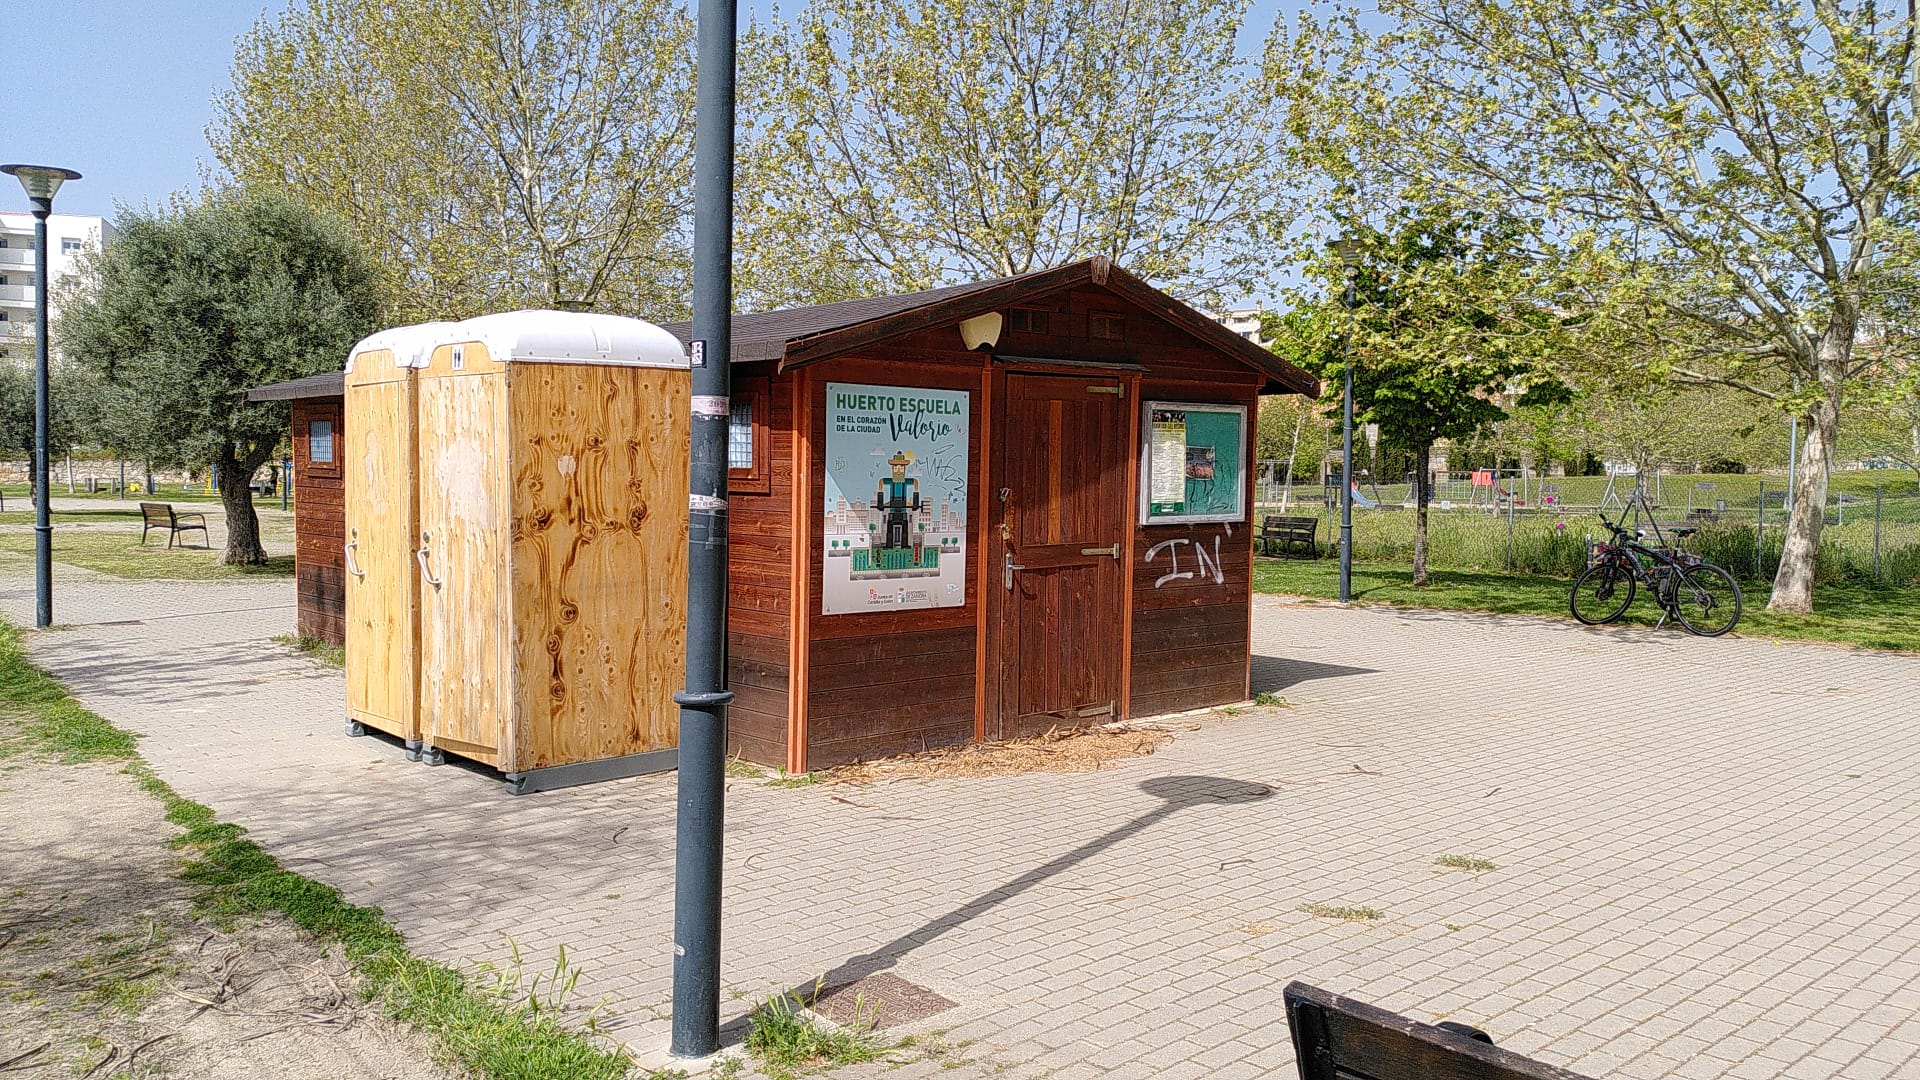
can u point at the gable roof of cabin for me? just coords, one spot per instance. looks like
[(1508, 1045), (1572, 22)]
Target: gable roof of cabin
[(796, 337)]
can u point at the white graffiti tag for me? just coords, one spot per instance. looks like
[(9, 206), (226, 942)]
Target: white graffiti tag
[(1209, 563)]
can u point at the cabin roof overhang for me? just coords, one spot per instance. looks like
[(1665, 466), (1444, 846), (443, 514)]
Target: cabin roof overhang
[(331, 384), (797, 337)]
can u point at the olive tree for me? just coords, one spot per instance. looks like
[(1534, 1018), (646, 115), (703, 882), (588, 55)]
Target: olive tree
[(197, 302)]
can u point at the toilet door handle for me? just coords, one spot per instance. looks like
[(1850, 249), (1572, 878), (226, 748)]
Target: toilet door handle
[(352, 567), (426, 572)]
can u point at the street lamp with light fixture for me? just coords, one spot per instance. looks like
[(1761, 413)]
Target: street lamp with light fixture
[(41, 182), (1349, 250)]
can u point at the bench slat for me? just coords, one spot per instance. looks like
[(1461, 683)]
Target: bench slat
[(1339, 1038)]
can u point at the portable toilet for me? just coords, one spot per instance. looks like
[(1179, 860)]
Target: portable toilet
[(539, 483)]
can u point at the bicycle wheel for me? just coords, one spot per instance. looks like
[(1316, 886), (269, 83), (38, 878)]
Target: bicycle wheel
[(1707, 600), (1602, 593)]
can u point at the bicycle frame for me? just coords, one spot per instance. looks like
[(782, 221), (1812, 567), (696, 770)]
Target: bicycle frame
[(1661, 569)]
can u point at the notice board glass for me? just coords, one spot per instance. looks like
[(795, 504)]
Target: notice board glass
[(1193, 463)]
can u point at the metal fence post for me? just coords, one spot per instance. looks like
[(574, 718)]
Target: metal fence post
[(1877, 490), (1760, 532), (1509, 530)]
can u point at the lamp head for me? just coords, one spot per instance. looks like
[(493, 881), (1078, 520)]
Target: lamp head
[(1348, 249), (41, 181)]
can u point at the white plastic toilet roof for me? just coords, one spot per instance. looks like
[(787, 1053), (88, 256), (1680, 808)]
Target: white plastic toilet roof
[(567, 337), (409, 344)]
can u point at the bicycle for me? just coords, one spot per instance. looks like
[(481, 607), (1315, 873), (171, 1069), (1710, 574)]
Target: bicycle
[(1703, 597)]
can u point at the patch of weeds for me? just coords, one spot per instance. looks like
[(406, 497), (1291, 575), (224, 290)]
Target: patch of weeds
[(785, 1040), (1465, 862), (740, 769), (1271, 700), (123, 994), (786, 779), (50, 721), (324, 653), (1343, 914), (727, 1068), (1256, 929), (1230, 710), (507, 1028)]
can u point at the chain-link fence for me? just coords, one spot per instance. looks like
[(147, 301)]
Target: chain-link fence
[(1872, 533)]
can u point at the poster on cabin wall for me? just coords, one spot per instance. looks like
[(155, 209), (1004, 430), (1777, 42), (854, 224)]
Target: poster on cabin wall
[(895, 529)]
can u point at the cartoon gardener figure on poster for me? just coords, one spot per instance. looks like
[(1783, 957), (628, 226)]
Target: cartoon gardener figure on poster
[(899, 498)]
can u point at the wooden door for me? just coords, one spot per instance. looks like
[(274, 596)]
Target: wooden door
[(465, 611), (1064, 477), (381, 607)]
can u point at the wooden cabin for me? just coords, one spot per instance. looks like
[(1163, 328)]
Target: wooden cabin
[(319, 521), (971, 513), (984, 511)]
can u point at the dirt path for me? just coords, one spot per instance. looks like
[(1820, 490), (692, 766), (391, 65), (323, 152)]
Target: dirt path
[(106, 972)]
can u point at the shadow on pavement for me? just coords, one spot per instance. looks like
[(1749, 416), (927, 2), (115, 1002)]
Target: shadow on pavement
[(1175, 792), (1276, 673)]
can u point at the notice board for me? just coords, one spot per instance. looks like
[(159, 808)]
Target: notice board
[(1193, 463)]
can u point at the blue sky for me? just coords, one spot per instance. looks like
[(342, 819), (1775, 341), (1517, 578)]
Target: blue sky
[(125, 94)]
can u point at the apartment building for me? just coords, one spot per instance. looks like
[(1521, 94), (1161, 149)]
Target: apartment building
[(1244, 321), (68, 236)]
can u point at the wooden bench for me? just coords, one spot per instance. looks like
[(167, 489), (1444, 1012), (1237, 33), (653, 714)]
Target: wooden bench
[(1338, 1038), (162, 516), (1289, 535)]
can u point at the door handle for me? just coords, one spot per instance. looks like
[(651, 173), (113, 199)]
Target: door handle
[(426, 572), (1113, 551), (1011, 567), (351, 544)]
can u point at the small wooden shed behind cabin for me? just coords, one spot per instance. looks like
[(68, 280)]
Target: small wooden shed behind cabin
[(987, 510), (319, 513), (515, 533)]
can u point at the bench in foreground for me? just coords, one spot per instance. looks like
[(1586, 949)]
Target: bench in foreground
[(1338, 1038)]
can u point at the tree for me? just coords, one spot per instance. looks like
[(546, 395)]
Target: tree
[(1762, 152), (1447, 323), (922, 140), (1290, 426), (17, 409), (491, 153), (195, 304), (1659, 424), (1888, 424)]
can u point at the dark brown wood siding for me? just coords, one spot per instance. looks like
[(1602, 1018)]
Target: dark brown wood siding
[(895, 693), (1192, 584), (881, 684), (759, 570), (319, 526)]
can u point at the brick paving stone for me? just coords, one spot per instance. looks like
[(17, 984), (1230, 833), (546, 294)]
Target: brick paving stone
[(1703, 846)]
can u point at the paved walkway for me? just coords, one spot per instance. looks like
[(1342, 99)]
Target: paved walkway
[(1705, 848)]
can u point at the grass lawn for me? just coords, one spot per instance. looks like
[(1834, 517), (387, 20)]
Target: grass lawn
[(88, 516), (1868, 616), (167, 493), (119, 553)]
